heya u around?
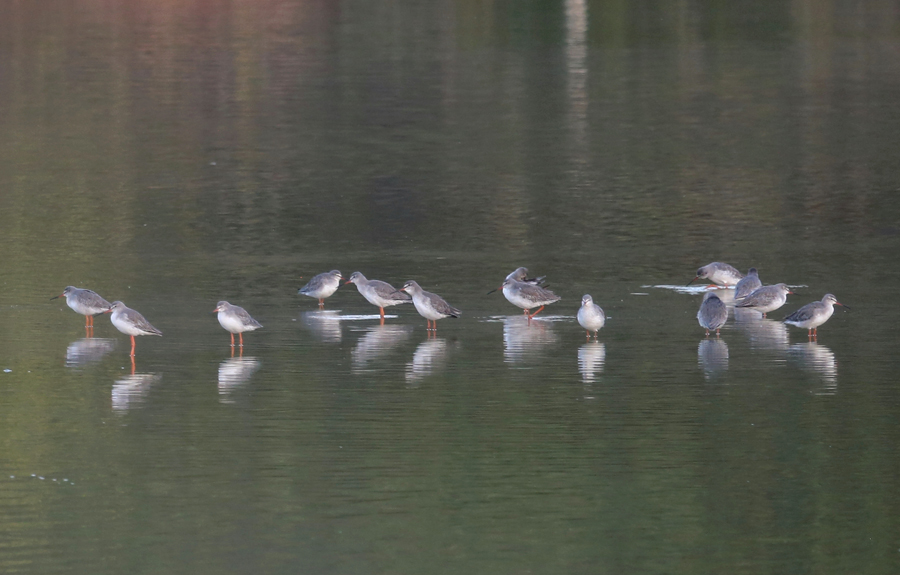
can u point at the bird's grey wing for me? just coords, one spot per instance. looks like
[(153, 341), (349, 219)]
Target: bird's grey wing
[(141, 322), (805, 313), (387, 291), (755, 299), (245, 317), (94, 299), (538, 293), (443, 307)]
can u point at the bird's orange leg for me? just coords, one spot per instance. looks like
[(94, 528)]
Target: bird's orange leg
[(537, 312), (132, 346), (232, 340), (242, 339)]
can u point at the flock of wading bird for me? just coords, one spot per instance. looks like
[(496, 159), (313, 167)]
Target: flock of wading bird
[(521, 291)]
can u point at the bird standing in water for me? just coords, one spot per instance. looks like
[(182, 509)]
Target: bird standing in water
[(130, 322), (712, 313), (814, 314), (590, 316), (322, 286), (378, 293), (430, 306), (236, 320), (86, 302)]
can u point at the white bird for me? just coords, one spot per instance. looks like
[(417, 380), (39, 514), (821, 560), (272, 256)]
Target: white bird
[(130, 322), (378, 293), (85, 302), (528, 296), (766, 299), (430, 306), (814, 314), (590, 316), (322, 286), (236, 320)]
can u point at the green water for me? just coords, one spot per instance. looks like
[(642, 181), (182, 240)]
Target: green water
[(171, 155)]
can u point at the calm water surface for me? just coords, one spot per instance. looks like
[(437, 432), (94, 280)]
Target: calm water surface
[(175, 154)]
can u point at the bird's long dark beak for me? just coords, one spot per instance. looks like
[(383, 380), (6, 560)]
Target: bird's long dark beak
[(55, 297), (348, 282), (842, 305), (692, 281), (492, 291)]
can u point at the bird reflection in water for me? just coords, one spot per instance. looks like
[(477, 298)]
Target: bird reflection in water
[(378, 342), (818, 360), (764, 334), (324, 324), (233, 373), (129, 391), (712, 356), (591, 359), (429, 358), (525, 339), (88, 350)]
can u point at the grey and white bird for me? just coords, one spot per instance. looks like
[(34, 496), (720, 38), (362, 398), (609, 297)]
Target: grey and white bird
[(590, 316), (322, 286), (236, 320), (130, 322), (378, 293), (528, 296), (814, 314), (712, 313), (430, 306), (86, 302), (766, 298), (719, 274), (748, 284)]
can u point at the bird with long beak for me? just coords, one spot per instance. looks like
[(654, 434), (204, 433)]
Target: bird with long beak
[(85, 302), (377, 292), (814, 314)]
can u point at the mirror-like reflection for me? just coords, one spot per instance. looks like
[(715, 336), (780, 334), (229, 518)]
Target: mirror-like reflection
[(88, 350), (712, 356), (429, 358), (763, 333), (591, 359), (817, 359), (324, 324), (525, 339), (233, 373), (129, 391), (378, 342)]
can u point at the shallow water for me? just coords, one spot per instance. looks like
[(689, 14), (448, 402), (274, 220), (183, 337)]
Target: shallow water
[(174, 155)]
